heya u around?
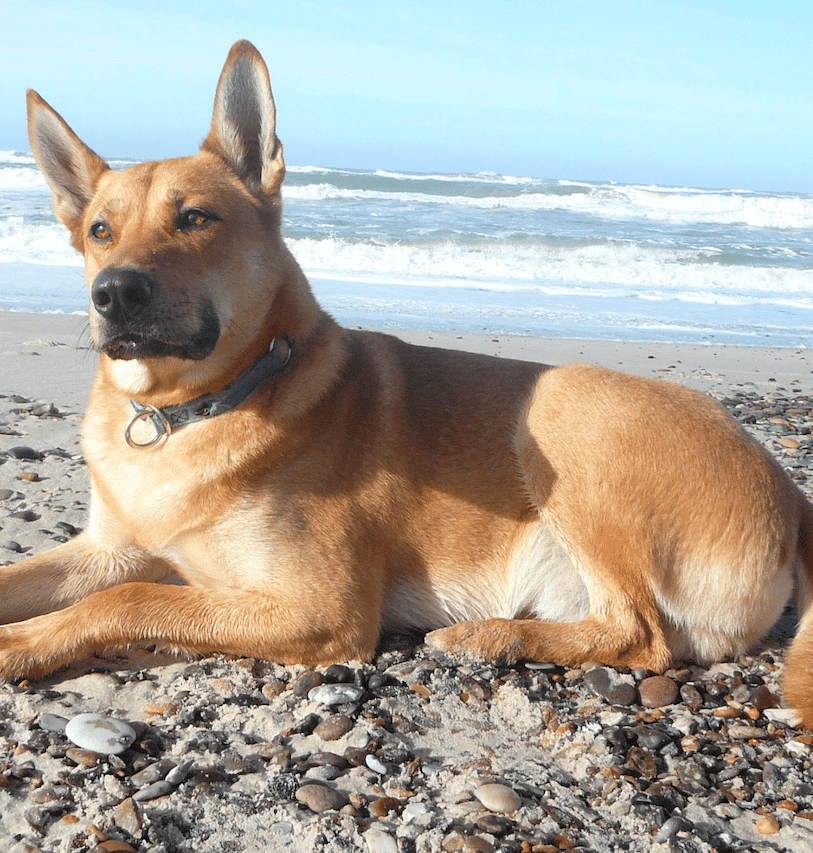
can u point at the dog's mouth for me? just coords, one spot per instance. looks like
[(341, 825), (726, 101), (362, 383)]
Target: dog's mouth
[(125, 344)]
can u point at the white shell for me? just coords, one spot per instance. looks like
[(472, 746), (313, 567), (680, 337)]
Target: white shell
[(105, 735)]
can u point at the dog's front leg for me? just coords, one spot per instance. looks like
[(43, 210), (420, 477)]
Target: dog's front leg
[(234, 621), (66, 574)]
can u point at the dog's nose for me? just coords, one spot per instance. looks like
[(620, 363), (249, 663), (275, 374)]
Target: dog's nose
[(121, 294)]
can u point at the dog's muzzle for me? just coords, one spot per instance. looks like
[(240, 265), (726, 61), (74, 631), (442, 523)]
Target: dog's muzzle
[(121, 295), (135, 320)]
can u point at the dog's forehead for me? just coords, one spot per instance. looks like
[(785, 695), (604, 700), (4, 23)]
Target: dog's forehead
[(199, 180)]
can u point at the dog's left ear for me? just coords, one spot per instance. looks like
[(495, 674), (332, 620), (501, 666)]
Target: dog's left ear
[(243, 128)]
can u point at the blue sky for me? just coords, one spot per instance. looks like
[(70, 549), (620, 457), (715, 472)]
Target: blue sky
[(712, 94)]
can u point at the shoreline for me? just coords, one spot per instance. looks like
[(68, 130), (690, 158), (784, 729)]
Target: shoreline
[(49, 354)]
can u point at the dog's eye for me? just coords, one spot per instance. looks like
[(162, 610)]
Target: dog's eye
[(100, 231), (192, 219)]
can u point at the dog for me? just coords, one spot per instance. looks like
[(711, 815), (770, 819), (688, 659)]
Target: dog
[(313, 485)]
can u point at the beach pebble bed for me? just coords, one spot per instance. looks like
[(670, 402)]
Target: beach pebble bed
[(411, 752)]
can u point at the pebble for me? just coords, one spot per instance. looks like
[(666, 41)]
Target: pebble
[(25, 515), (52, 722), (12, 545), (152, 773), (380, 841), (128, 816), (177, 774), (767, 825), (153, 791), (375, 764), (85, 757), (320, 798), (24, 452), (611, 686), (657, 691), (98, 733), (305, 682), (334, 727), (498, 798), (335, 694)]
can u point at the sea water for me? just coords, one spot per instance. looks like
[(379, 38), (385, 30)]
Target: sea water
[(495, 254)]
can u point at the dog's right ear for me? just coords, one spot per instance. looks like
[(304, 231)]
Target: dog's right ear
[(71, 169), (244, 121)]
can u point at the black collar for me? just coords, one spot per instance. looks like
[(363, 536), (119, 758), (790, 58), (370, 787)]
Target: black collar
[(271, 363)]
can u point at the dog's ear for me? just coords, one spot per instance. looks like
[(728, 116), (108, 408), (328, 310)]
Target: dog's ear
[(71, 169), (243, 128)]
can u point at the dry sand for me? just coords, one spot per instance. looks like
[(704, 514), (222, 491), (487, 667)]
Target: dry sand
[(591, 774)]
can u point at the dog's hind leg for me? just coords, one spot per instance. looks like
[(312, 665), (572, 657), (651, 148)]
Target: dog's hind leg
[(624, 626), (247, 622), (66, 574)]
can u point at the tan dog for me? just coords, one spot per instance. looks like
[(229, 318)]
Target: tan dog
[(344, 481)]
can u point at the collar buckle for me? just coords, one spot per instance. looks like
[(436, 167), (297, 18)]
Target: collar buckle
[(159, 420)]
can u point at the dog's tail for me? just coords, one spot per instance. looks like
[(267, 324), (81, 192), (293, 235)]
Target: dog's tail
[(798, 687)]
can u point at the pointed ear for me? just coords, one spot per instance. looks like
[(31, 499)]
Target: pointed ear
[(71, 169), (244, 122)]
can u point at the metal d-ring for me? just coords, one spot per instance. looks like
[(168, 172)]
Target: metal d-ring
[(159, 420)]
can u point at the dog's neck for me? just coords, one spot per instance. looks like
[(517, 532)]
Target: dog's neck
[(272, 362)]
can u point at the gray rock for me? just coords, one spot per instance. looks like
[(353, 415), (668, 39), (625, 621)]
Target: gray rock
[(154, 791), (611, 686)]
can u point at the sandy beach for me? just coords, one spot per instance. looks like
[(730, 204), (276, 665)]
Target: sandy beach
[(584, 759)]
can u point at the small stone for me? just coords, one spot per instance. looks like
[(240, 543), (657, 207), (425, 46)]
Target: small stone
[(608, 684), (29, 476), (657, 691), (85, 757), (335, 694), (278, 754), (498, 798), (152, 773), (320, 798), (305, 682), (24, 452), (384, 805), (25, 515), (11, 545), (98, 733), (52, 722), (113, 846), (670, 827), (375, 764), (334, 727), (379, 841), (177, 774), (762, 698), (306, 725), (690, 743), (741, 732), (767, 825), (338, 673), (154, 791), (127, 817)]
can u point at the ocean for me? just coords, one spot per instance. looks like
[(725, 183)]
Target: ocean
[(496, 254)]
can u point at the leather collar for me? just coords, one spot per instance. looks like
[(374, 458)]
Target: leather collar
[(271, 363)]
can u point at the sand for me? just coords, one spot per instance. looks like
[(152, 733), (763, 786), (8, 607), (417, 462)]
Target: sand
[(440, 729)]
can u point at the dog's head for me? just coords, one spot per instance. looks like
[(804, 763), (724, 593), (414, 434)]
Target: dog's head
[(188, 277)]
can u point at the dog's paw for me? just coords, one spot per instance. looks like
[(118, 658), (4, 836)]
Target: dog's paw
[(26, 651), (489, 640)]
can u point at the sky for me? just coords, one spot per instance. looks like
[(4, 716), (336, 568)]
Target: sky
[(702, 94)]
